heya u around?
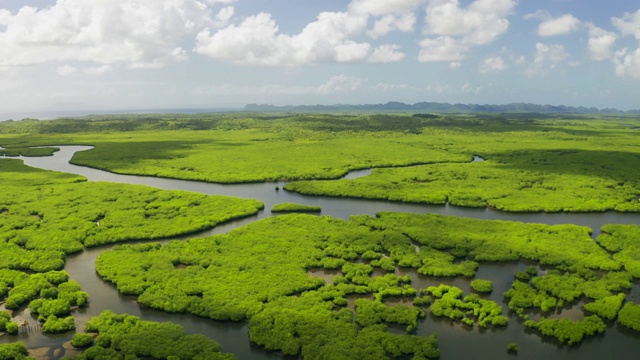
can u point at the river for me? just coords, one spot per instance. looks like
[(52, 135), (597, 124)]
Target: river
[(456, 342)]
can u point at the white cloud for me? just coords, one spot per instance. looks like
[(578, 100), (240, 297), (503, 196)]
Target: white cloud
[(386, 54), (539, 14), (223, 16), (256, 41), (600, 42), (629, 24), (627, 63), (136, 33), (66, 70), (562, 25), (444, 48), (459, 29), (390, 22), (455, 65), (546, 58), (492, 64), (383, 7)]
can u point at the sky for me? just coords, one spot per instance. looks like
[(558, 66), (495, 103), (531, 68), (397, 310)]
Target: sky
[(168, 54)]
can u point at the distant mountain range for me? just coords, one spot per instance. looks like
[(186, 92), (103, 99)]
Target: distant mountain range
[(437, 107)]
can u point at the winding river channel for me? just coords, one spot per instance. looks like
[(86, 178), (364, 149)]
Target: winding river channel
[(456, 342)]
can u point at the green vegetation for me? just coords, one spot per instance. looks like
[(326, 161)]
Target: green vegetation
[(259, 272), (568, 331), (624, 242), (267, 262), (45, 215), (57, 325), (125, 336), (513, 348), (14, 351), (606, 307), (29, 151), (564, 246), (470, 310), (52, 212), (531, 165), (482, 286), (81, 340), (629, 316), (291, 207), (6, 324)]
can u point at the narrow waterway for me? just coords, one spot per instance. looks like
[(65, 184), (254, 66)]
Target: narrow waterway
[(456, 341)]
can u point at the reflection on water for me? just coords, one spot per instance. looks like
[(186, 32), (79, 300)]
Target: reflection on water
[(456, 341)]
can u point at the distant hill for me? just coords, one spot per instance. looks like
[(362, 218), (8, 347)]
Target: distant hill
[(444, 108)]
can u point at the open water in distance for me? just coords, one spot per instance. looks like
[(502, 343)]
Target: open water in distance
[(456, 341)]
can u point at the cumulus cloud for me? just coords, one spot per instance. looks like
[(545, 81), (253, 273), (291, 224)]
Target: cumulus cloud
[(444, 48), (257, 41), (600, 42), (627, 63), (386, 54), (546, 58), (457, 29), (492, 64), (136, 33), (390, 22), (628, 24), (562, 25)]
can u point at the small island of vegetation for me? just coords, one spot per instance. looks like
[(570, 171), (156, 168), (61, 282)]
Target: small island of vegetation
[(292, 207)]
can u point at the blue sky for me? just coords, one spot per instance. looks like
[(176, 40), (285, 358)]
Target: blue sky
[(153, 54)]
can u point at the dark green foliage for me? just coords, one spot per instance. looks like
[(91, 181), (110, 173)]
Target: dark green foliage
[(482, 286), (122, 336), (291, 207), (513, 348), (568, 331), (629, 316), (14, 351)]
